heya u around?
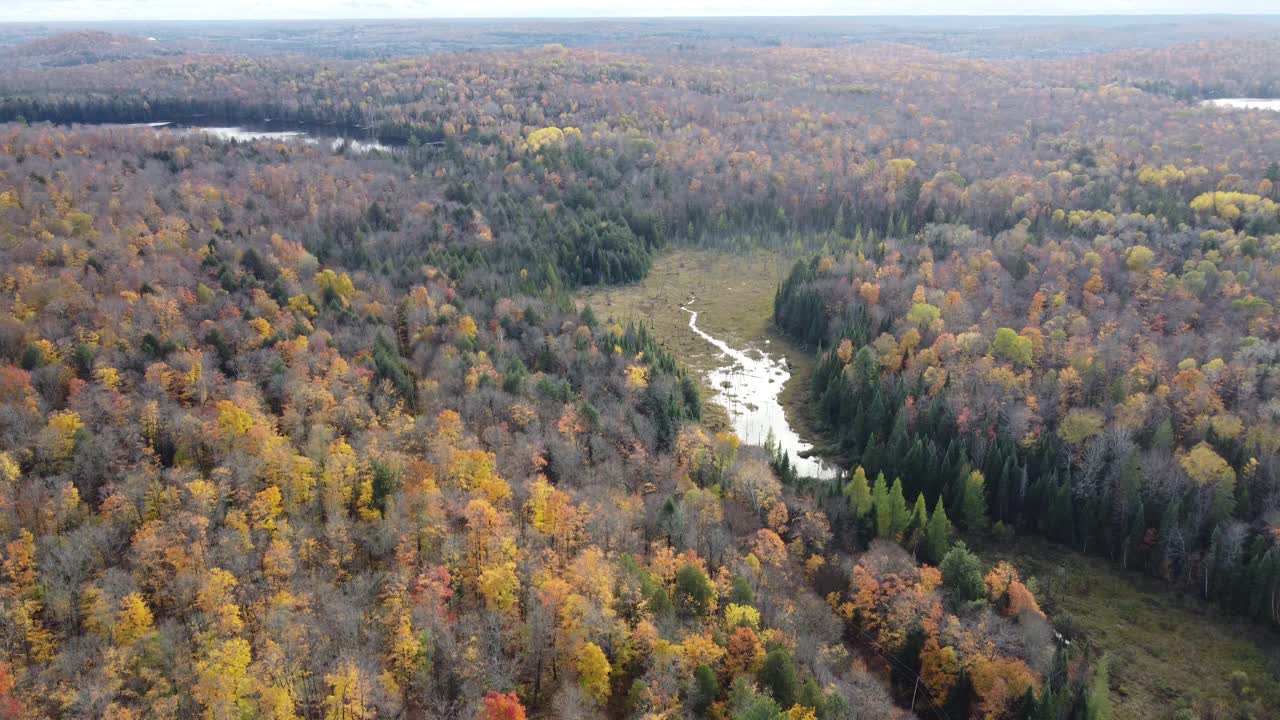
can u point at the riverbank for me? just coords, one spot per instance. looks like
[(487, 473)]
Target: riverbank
[(734, 303)]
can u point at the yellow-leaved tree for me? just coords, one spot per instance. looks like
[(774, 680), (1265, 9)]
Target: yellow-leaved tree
[(133, 621), (222, 680), (593, 673), (350, 694)]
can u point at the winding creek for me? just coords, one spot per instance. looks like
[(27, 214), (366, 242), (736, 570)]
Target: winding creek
[(748, 387)]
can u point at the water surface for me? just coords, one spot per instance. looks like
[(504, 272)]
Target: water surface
[(333, 138), (747, 384), (1246, 103)]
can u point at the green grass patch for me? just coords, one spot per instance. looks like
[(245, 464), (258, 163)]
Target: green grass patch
[(1169, 650), (734, 302)]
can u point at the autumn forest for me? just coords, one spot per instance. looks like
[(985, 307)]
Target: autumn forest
[(313, 422)]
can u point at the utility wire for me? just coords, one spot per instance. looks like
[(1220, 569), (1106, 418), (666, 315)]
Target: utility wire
[(891, 658)]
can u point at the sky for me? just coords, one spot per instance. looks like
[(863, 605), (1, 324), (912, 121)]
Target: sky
[(98, 10)]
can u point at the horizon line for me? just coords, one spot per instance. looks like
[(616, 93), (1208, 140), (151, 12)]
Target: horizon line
[(749, 16)]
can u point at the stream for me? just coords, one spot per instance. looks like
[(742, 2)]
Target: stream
[(748, 389)]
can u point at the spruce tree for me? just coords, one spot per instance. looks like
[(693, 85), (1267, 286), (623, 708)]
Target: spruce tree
[(901, 516), (936, 535), (917, 524), (919, 519), (973, 503), (705, 689), (962, 573), (859, 493), (1136, 529), (1098, 701), (883, 510), (1063, 524)]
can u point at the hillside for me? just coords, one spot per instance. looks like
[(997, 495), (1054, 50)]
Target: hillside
[(84, 47), (295, 429)]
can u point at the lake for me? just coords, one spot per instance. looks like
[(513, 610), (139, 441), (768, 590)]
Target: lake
[(1245, 103), (283, 132)]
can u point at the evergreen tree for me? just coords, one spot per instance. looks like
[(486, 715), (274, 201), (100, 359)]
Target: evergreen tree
[(936, 535), (1004, 492), (1264, 605), (694, 591), (778, 675), (1098, 699), (1169, 521), (901, 516), (962, 573), (1047, 708), (883, 510), (1135, 529), (917, 523), (1163, 438), (873, 455), (866, 368), (1062, 519), (973, 503), (859, 493), (705, 689), (810, 695), (1028, 707)]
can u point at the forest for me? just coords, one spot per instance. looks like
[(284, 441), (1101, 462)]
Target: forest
[(291, 430)]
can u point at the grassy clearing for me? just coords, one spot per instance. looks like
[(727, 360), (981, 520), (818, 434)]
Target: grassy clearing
[(735, 303), (1168, 650), (735, 300)]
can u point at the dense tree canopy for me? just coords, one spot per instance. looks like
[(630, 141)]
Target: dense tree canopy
[(298, 431)]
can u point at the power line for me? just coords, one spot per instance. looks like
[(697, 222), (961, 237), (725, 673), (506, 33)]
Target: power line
[(893, 659)]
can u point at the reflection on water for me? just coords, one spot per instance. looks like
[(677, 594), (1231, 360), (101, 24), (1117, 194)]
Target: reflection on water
[(239, 133), (243, 134), (314, 136), (1246, 103), (748, 388)]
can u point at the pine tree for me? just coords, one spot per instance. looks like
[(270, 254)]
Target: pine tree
[(1047, 708), (1163, 438), (1004, 490), (883, 511), (1169, 521), (1264, 605), (706, 689), (918, 521), (1098, 700), (778, 674), (973, 503), (859, 493), (962, 573), (936, 535), (1136, 528), (898, 510), (1063, 519)]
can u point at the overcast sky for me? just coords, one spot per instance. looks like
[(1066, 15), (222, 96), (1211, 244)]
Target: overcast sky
[(86, 10)]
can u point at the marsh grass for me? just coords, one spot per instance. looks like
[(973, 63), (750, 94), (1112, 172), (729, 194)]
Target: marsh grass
[(1169, 650), (734, 302)]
